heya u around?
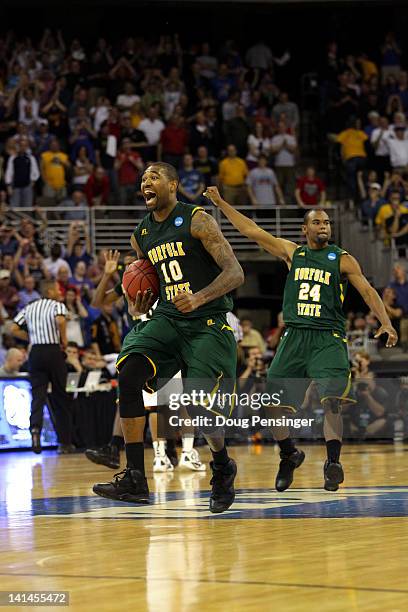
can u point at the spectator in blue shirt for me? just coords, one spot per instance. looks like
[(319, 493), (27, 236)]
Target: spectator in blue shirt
[(28, 294), (81, 281), (192, 183), (8, 241), (373, 203), (400, 286), (77, 201), (222, 84), (42, 137), (374, 122)]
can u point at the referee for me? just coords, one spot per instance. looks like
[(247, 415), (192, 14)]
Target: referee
[(43, 324)]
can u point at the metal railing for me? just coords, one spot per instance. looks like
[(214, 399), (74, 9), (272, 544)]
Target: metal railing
[(111, 226)]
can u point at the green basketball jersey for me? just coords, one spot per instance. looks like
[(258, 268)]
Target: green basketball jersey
[(314, 290), (181, 261)]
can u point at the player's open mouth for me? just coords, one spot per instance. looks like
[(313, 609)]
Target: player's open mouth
[(149, 196)]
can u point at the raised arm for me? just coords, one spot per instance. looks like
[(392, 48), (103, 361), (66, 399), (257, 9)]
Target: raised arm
[(205, 228), (279, 247), (361, 186), (73, 236), (88, 243), (101, 295), (350, 268)]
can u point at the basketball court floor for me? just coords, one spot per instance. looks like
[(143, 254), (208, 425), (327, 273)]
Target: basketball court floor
[(305, 549)]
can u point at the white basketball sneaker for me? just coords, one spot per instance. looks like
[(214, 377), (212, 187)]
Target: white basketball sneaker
[(191, 461), (162, 463)]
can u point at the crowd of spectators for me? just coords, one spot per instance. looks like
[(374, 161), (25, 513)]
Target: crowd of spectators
[(25, 265), (78, 123), (365, 106), (86, 119)]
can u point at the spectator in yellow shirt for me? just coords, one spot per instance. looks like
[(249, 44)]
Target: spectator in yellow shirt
[(368, 67), (232, 176), (388, 210), (352, 141), (54, 164)]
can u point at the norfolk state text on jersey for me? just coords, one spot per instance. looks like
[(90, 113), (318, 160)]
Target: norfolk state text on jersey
[(315, 290), (162, 252), (180, 260), (317, 276)]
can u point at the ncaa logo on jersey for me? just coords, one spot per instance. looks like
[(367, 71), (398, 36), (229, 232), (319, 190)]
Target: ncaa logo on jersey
[(178, 221), (332, 256)]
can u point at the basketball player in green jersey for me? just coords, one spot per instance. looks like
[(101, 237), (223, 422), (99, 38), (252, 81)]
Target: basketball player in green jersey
[(165, 454), (188, 330), (314, 345)]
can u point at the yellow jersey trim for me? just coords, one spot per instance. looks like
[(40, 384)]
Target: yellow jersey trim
[(193, 212), (344, 397), (120, 361), (149, 389), (226, 327)]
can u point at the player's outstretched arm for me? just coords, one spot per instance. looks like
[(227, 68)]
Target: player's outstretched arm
[(350, 268), (279, 247), (205, 228)]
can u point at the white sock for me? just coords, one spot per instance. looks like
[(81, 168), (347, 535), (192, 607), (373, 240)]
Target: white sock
[(159, 448), (187, 444)]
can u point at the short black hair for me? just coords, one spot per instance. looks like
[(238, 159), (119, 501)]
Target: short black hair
[(307, 215), (73, 344), (168, 170), (309, 212)]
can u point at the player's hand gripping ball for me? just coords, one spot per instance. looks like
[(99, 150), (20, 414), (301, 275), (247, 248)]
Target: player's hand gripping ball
[(140, 284)]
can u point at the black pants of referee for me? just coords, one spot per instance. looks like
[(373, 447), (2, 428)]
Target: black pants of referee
[(47, 365)]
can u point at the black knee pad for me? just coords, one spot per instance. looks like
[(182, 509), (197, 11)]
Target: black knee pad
[(333, 404), (133, 374)]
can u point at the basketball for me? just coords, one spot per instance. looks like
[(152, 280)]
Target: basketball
[(140, 276)]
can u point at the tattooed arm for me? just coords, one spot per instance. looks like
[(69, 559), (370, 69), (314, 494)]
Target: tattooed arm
[(205, 228)]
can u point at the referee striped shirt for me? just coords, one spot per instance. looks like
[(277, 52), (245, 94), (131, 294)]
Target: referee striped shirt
[(39, 317)]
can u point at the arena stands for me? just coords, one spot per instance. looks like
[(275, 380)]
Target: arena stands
[(79, 123)]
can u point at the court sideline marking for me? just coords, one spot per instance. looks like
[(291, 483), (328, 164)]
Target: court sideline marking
[(203, 581)]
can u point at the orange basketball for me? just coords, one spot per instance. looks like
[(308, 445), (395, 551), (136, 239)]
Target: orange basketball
[(140, 276)]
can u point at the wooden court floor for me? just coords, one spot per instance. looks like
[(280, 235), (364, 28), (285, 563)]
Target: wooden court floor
[(302, 550)]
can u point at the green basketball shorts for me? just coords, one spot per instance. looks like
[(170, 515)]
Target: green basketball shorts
[(304, 355), (204, 349)]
